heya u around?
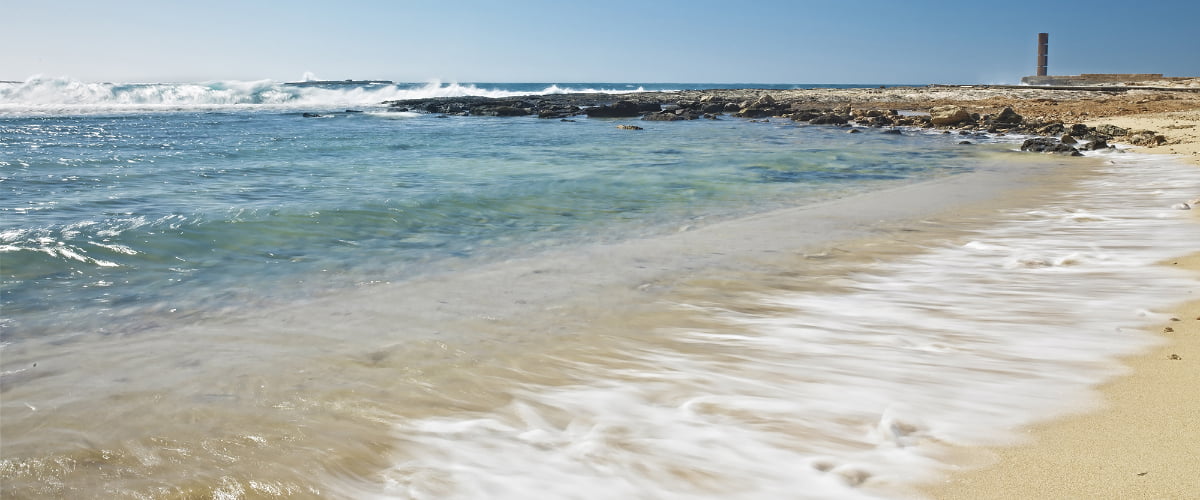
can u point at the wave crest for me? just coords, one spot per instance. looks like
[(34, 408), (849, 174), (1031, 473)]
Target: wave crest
[(56, 96)]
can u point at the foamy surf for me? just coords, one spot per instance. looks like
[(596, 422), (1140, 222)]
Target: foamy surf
[(65, 96), (858, 389)]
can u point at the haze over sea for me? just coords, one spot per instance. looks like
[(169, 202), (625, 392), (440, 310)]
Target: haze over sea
[(206, 292)]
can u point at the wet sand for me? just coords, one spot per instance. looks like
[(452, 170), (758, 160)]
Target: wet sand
[(1143, 441)]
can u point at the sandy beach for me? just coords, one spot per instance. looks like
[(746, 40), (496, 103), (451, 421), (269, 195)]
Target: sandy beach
[(1143, 441)]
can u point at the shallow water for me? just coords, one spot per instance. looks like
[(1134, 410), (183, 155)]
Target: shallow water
[(478, 308)]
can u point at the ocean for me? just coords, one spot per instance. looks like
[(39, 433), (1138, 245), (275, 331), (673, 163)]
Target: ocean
[(208, 293)]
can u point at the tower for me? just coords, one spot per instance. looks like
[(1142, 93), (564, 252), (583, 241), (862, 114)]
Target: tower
[(1043, 53)]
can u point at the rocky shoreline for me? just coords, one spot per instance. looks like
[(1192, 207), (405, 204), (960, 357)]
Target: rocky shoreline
[(1055, 115)]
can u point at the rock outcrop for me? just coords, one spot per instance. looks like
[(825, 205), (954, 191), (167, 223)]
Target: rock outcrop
[(619, 109), (1048, 145), (948, 115), (875, 108)]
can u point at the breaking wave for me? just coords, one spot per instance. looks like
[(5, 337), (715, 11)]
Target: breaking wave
[(64, 96)]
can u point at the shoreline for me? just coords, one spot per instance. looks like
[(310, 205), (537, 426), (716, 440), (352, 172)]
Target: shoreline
[(1141, 442), (630, 312), (1142, 439)]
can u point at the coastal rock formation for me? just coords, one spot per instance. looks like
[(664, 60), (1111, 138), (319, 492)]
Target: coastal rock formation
[(979, 109), (762, 107)]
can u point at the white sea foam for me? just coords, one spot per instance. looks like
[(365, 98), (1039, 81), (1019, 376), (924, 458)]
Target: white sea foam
[(843, 394), (59, 96)]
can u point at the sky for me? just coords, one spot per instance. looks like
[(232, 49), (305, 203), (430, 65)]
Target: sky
[(564, 41)]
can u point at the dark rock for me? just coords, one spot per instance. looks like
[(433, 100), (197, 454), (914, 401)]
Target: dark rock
[(1067, 139), (498, 111), (1008, 117), (629, 127), (806, 115), (665, 116), (892, 131), (1048, 145), (1051, 129), (1079, 130), (1112, 130), (649, 107), (964, 142), (1095, 144), (854, 131), (620, 109), (829, 119)]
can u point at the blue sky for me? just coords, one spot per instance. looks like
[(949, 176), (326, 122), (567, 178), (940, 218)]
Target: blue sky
[(828, 41)]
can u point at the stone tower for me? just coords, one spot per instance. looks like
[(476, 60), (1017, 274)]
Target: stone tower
[(1043, 52)]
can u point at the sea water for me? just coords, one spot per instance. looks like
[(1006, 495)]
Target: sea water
[(231, 299)]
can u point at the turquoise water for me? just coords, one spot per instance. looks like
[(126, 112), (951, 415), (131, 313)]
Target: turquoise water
[(108, 219)]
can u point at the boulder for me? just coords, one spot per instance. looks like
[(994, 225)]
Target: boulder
[(664, 116), (1112, 130), (1067, 139), (498, 111), (1050, 129), (1008, 117), (948, 115), (1145, 138), (629, 127), (1048, 145), (829, 119)]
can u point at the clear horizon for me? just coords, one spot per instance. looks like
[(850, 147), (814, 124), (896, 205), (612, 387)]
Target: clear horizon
[(705, 41)]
